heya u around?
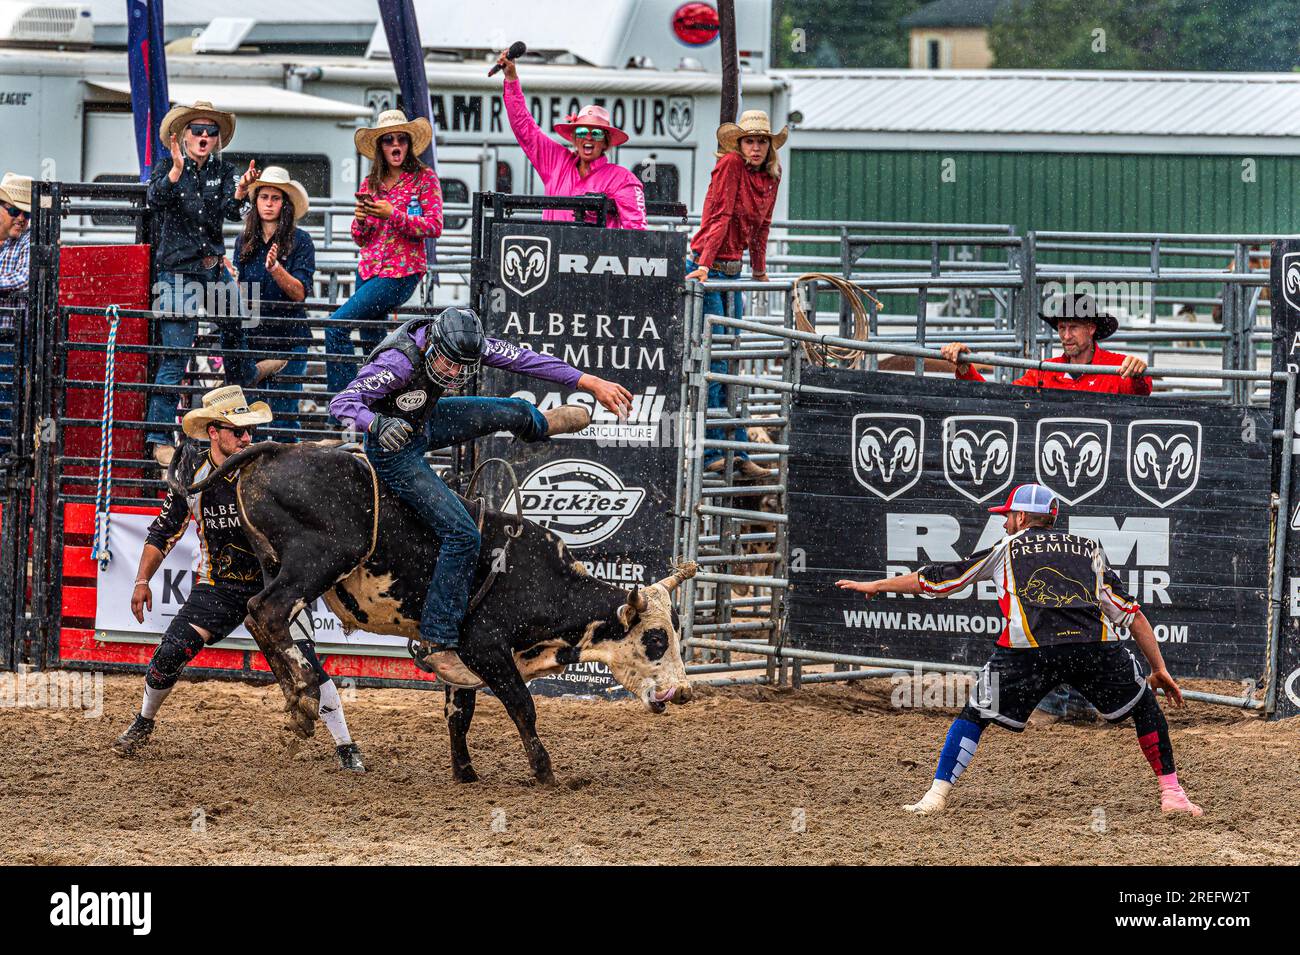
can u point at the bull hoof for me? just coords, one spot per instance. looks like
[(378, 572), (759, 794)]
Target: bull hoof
[(309, 706), (466, 775), (299, 723)]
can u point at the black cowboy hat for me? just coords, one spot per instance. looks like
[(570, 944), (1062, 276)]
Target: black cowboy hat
[(1080, 307)]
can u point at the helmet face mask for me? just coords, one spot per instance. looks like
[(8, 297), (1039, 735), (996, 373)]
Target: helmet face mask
[(454, 348)]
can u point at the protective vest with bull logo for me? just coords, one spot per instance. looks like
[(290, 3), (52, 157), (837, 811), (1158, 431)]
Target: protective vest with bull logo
[(414, 401), (1052, 588)]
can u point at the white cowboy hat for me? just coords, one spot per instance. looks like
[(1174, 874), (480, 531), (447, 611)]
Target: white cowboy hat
[(178, 117), (17, 190), (278, 177), (753, 122), (394, 121), (225, 406)]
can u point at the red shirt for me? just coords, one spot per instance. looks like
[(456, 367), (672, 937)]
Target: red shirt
[(1107, 384), (737, 214)]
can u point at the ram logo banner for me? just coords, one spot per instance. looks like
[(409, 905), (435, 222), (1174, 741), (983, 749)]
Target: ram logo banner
[(979, 454), (887, 452), (525, 262), (1164, 459), (581, 501), (681, 117), (1072, 456), (1291, 279)]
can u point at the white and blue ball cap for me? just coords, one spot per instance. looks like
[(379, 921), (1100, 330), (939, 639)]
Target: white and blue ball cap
[(1030, 498)]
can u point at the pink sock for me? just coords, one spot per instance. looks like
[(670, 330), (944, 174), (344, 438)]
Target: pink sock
[(1169, 783)]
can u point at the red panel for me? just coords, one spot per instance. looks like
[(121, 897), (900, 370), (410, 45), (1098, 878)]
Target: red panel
[(98, 276)]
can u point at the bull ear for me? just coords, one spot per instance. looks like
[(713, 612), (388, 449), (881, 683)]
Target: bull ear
[(636, 605)]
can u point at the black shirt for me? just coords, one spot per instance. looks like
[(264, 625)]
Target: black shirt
[(225, 555), (189, 212), (1052, 588)]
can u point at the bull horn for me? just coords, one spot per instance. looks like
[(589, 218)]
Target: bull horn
[(637, 600), (684, 571)]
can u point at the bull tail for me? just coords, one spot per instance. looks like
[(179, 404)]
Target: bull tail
[(237, 461)]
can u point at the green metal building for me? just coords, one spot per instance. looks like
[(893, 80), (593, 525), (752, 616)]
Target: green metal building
[(1096, 151)]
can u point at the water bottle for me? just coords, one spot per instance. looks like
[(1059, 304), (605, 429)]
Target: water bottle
[(413, 207)]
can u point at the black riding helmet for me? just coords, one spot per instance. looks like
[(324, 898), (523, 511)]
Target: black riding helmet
[(456, 336)]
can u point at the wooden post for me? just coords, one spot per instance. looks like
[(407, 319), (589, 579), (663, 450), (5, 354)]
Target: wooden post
[(730, 62)]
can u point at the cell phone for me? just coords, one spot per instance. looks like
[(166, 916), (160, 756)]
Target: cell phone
[(364, 198)]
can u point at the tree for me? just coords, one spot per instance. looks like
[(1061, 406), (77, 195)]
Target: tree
[(859, 34), (1178, 35)]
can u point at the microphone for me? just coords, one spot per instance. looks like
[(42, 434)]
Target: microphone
[(517, 49)]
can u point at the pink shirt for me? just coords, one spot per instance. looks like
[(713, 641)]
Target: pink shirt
[(558, 167), (394, 247)]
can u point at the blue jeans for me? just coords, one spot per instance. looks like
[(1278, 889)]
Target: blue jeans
[(371, 300), (285, 338), (179, 333), (405, 473), (731, 304)]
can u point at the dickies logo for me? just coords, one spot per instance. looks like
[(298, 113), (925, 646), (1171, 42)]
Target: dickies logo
[(1072, 456), (887, 452), (525, 263), (979, 454), (581, 501), (1164, 459)]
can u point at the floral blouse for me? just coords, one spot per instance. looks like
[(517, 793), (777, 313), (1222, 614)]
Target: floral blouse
[(394, 247)]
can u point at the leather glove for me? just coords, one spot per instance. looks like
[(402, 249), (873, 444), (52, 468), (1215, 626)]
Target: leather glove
[(391, 433)]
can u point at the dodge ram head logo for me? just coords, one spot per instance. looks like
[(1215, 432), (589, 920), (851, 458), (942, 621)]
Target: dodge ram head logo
[(887, 452), (979, 454), (1291, 279), (581, 501), (1164, 459), (681, 117), (1073, 456), (525, 263)]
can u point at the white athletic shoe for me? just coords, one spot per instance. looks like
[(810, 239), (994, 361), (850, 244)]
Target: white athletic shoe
[(934, 801)]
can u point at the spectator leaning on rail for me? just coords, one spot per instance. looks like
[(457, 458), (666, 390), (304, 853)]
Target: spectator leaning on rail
[(1080, 326), (15, 262), (226, 571), (582, 169), (736, 217), (193, 192), (398, 206), (277, 262), (1061, 602)]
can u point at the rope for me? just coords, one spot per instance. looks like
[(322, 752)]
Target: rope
[(837, 355), (104, 480)]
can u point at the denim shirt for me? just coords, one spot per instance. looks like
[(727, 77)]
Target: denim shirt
[(300, 263), (189, 213)]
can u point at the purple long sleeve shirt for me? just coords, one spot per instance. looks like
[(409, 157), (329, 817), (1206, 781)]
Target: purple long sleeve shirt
[(392, 371)]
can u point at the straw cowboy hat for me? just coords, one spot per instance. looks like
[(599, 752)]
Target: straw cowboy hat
[(592, 116), (1080, 307), (394, 121), (178, 117), (225, 406), (278, 177), (753, 122), (17, 190)]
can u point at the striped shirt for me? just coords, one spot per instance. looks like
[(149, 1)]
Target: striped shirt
[(1052, 588)]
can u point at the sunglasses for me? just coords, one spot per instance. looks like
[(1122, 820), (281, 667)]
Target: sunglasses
[(393, 139), (583, 132), (204, 129), (15, 212), (237, 432)]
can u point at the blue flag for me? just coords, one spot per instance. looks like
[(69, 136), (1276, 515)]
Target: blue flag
[(147, 66)]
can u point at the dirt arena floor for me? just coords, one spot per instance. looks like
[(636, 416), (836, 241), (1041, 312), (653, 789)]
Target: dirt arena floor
[(741, 775)]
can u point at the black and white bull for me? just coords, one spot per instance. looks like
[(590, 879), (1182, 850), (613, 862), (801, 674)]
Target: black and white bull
[(322, 526)]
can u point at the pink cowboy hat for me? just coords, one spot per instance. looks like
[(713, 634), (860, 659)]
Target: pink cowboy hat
[(590, 116)]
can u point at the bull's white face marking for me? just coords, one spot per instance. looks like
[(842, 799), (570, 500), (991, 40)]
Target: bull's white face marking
[(369, 590), (652, 681)]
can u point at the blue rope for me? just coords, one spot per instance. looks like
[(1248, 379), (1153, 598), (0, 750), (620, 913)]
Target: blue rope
[(104, 481)]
